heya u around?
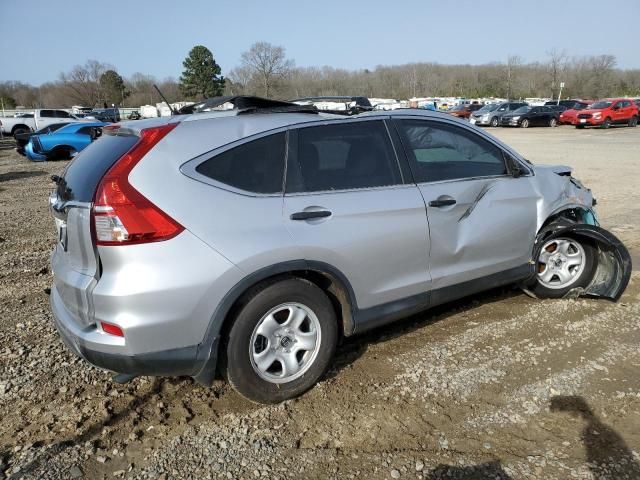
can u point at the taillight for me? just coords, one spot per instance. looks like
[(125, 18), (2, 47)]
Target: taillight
[(122, 215)]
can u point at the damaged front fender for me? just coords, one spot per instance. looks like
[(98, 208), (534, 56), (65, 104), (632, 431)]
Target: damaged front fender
[(614, 262)]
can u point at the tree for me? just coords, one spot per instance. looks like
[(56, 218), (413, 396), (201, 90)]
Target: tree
[(201, 76), (82, 84), (268, 64), (513, 62), (113, 88), (557, 65)]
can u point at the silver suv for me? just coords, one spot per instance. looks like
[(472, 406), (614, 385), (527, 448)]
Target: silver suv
[(492, 113), (250, 241)]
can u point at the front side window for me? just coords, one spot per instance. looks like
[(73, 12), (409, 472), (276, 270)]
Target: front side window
[(440, 151), (343, 156), (256, 166)]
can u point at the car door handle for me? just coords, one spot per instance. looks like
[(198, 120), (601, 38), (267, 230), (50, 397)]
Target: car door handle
[(310, 215), (442, 202)]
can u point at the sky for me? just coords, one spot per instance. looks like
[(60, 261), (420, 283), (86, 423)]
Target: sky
[(154, 36)]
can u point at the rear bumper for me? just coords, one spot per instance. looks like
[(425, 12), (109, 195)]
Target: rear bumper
[(100, 350)]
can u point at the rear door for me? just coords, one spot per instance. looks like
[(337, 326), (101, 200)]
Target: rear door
[(348, 205), (482, 220)]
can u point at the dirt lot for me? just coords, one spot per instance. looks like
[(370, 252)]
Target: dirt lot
[(497, 386)]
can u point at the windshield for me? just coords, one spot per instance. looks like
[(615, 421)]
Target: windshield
[(488, 108), (522, 110), (601, 104)]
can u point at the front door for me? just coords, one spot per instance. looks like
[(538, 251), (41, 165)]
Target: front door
[(347, 205), (482, 220)]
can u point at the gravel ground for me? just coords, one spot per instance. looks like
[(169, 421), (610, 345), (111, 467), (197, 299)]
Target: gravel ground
[(497, 386)]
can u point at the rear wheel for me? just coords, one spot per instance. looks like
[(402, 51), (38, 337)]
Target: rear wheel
[(606, 123), (564, 263), (281, 341), (525, 123), (553, 122), (633, 121), (20, 129)]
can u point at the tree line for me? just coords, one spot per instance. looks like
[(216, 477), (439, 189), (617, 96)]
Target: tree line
[(265, 70)]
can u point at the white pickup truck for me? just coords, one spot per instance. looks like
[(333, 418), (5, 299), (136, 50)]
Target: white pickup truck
[(41, 118)]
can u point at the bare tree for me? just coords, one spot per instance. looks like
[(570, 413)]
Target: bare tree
[(513, 62), (268, 63), (83, 82), (557, 65)]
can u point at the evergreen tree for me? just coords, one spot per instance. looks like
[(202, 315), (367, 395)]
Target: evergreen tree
[(201, 76)]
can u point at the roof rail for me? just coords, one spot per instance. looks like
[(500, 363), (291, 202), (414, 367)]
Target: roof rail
[(247, 104)]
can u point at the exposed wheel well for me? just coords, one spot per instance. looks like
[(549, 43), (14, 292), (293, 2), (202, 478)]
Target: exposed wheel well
[(328, 283), (570, 215)]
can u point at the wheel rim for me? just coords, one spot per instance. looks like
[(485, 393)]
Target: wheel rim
[(525, 123), (560, 263), (285, 343), (494, 122)]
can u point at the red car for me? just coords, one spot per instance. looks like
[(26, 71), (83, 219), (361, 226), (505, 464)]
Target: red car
[(570, 116), (607, 112)]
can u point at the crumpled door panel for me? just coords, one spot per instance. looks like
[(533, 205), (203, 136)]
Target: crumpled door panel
[(614, 262)]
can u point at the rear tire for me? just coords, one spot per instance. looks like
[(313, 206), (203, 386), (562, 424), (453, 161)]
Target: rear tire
[(553, 123), (18, 130), (633, 121), (281, 341), (564, 263)]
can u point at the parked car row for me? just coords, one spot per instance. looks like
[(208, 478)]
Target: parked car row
[(602, 113)]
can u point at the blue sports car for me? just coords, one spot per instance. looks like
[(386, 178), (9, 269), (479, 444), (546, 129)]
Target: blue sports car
[(64, 143)]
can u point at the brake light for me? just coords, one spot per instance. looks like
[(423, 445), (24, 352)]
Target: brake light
[(121, 214), (112, 329)]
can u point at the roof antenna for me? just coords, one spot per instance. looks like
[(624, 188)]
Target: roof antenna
[(173, 112)]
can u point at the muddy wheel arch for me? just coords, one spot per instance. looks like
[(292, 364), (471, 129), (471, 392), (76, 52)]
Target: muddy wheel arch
[(614, 262)]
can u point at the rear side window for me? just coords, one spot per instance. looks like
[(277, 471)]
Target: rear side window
[(439, 151), (256, 166), (342, 157), (47, 113), (62, 114), (83, 174)]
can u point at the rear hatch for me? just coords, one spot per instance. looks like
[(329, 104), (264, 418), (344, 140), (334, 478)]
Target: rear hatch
[(74, 261)]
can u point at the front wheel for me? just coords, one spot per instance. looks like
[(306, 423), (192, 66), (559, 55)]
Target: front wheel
[(281, 342), (525, 123), (564, 263), (607, 123), (494, 122)]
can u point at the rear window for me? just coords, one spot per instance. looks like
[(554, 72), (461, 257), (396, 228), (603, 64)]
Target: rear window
[(82, 175), (256, 166)]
